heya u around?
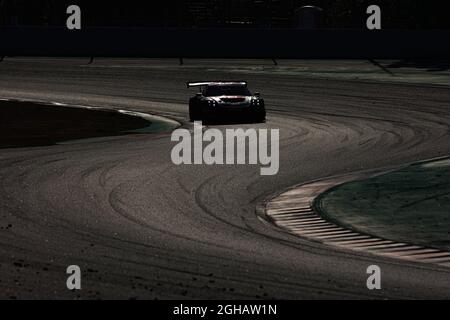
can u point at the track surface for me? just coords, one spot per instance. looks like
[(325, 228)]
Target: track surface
[(140, 227)]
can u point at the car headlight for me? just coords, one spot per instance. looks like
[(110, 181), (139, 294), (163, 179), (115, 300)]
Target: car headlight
[(212, 103), (256, 102)]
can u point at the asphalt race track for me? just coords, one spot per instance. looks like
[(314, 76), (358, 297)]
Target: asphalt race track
[(141, 227)]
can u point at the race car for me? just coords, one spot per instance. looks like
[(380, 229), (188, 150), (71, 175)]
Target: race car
[(221, 100)]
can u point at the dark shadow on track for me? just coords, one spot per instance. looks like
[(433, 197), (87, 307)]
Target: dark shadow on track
[(430, 65), (26, 124), (231, 121)]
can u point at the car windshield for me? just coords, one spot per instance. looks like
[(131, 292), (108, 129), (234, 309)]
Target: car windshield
[(215, 91)]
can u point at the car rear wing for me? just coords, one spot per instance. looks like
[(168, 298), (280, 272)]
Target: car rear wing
[(211, 83)]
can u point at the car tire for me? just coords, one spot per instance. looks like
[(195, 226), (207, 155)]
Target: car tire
[(193, 114), (261, 117), (194, 117)]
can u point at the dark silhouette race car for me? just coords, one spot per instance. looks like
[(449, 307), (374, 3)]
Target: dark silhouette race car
[(225, 100)]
